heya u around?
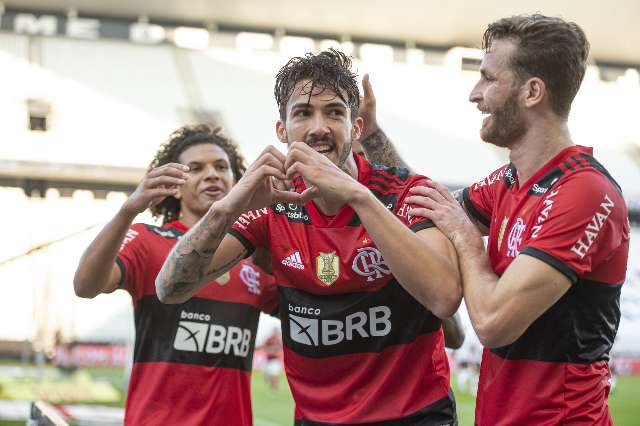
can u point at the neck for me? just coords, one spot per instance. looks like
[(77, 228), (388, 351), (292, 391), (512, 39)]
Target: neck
[(188, 218), (539, 145), (330, 207)]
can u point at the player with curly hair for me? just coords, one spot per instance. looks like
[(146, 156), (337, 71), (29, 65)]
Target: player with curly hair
[(190, 367)]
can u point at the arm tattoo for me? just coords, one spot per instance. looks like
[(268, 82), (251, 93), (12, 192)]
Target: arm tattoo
[(380, 150), (186, 266), (457, 194)]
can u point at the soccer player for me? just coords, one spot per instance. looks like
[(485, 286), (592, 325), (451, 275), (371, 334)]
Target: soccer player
[(545, 300), (362, 284), (192, 362)]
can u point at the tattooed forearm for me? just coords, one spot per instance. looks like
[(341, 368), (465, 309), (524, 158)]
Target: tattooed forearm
[(380, 150), (185, 269)]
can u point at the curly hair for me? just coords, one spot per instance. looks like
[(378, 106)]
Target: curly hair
[(330, 70), (181, 139), (549, 48)]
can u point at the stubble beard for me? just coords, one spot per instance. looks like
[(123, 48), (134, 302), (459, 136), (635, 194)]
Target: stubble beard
[(507, 124)]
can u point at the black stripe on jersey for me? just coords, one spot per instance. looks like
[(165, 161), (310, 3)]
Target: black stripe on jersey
[(424, 224), (384, 181), (599, 167), (246, 243), (578, 162), (579, 328), (320, 326), (541, 187), (509, 176), (552, 261), (169, 233), (568, 165), (468, 205), (440, 413), (204, 332), (123, 272)]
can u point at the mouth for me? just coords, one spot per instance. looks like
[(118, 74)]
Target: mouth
[(486, 116), (322, 147), (213, 191)]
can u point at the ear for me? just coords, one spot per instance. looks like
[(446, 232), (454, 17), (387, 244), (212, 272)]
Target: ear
[(281, 131), (535, 92), (356, 129)]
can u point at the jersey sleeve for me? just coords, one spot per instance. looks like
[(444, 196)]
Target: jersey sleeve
[(415, 223), (478, 199), (131, 260), (269, 302), (579, 224), (252, 229)]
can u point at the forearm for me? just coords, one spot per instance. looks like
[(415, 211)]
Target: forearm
[(94, 271), (479, 282), (380, 150), (428, 274), (188, 265)]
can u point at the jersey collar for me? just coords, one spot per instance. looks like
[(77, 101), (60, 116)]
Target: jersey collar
[(546, 168)]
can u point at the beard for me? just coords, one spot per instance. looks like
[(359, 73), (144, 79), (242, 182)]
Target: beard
[(506, 124), (341, 153)]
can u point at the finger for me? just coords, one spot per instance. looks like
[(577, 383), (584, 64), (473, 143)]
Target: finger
[(275, 152), (164, 180), (160, 194), (367, 89), (442, 190), (299, 152), (287, 197), (271, 160), (418, 200), (423, 212), (428, 191), (309, 194), (267, 170), (170, 169), (297, 168)]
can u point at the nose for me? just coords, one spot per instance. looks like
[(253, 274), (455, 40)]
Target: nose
[(476, 94), (210, 172), (319, 127)]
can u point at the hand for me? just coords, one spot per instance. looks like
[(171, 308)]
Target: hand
[(436, 203), (263, 184), (157, 184), (367, 109), (323, 177)]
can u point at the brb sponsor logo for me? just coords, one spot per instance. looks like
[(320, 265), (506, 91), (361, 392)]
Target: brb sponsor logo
[(369, 263), (195, 336), (375, 322)]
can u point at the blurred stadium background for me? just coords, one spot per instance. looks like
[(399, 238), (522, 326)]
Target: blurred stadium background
[(90, 88)]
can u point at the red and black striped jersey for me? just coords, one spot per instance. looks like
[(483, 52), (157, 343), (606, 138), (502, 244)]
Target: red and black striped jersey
[(192, 361), (571, 215), (357, 347)]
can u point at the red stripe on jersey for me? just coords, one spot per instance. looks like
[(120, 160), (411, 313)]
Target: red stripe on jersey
[(538, 393), (385, 191), (365, 387), (388, 176), (385, 182), (216, 396)]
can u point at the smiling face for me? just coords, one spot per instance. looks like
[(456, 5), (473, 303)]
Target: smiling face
[(318, 117), (210, 179), (496, 95)]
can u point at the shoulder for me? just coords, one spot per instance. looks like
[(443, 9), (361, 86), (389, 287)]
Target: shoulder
[(504, 175)]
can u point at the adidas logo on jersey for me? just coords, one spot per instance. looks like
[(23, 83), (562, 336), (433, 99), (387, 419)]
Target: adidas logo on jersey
[(294, 261)]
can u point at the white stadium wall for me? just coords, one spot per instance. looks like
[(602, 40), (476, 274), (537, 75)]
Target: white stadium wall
[(114, 102)]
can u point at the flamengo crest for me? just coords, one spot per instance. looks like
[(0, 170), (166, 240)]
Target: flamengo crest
[(328, 267), (369, 263)]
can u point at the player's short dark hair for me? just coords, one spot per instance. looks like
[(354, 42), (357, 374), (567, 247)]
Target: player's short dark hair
[(181, 139), (550, 48), (330, 69)]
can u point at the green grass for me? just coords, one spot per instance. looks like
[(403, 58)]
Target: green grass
[(275, 408)]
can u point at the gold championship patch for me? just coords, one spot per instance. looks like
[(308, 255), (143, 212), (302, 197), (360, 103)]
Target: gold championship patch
[(328, 267), (223, 279), (503, 227)]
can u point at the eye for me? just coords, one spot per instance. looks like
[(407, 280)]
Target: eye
[(222, 166), (194, 169), (301, 113), (336, 113)]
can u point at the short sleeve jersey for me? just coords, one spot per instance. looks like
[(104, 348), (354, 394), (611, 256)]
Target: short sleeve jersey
[(192, 361), (357, 347), (571, 215)]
